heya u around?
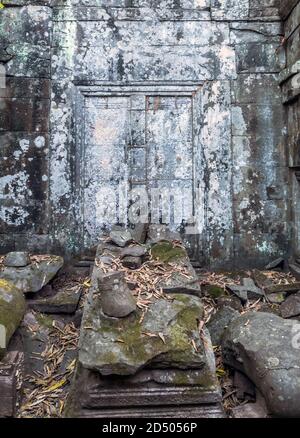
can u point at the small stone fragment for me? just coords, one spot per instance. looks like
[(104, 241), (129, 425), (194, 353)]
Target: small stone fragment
[(33, 277), (253, 292), (116, 299), (277, 263), (277, 298), (134, 251), (132, 262), (291, 306), (239, 291), (120, 237), (17, 259)]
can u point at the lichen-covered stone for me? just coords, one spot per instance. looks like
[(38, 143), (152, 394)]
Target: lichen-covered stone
[(12, 309), (164, 336), (33, 277)]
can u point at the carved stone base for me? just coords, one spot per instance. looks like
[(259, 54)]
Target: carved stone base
[(154, 393)]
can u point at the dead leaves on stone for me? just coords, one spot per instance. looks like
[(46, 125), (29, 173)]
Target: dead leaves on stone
[(45, 395), (145, 280)]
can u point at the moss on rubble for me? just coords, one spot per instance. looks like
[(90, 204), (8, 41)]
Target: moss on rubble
[(166, 251)]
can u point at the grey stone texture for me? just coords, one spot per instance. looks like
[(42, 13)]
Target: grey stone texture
[(215, 62), (33, 277), (290, 85), (266, 348), (12, 309)]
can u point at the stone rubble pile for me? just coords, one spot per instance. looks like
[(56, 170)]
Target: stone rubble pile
[(141, 317)]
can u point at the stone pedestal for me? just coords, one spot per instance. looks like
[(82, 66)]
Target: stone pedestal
[(154, 364), (150, 393)]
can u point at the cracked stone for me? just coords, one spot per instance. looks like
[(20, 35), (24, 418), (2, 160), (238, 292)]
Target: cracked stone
[(265, 347)]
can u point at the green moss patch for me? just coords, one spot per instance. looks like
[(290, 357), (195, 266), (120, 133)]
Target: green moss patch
[(166, 251)]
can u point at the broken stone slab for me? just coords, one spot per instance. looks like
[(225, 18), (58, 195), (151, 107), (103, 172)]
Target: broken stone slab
[(266, 348), (288, 288), (277, 263), (295, 270), (181, 282), (120, 237), (261, 279), (33, 277), (17, 259), (239, 291), (116, 299), (291, 306), (132, 262), (156, 233), (219, 322), (139, 232), (253, 292), (134, 251), (230, 301), (10, 373), (64, 301), (183, 279), (246, 291), (168, 334), (12, 309)]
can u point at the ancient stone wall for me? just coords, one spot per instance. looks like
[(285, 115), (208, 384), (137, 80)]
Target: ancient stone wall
[(290, 82), (224, 56)]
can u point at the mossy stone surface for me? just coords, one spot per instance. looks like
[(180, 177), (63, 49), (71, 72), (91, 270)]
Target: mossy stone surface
[(168, 335), (12, 309), (166, 251), (33, 277)]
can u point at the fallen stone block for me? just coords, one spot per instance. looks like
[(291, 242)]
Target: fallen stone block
[(219, 322), (17, 259), (295, 270), (10, 378), (261, 279), (120, 237), (266, 348), (132, 262), (277, 263), (134, 251), (33, 277), (12, 309), (64, 301), (291, 306), (277, 288)]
